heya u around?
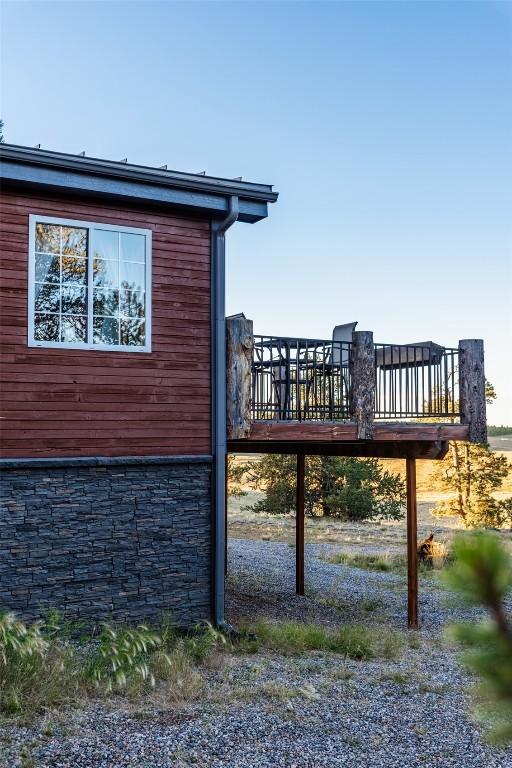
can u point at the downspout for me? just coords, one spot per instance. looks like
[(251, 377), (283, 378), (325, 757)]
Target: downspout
[(219, 436)]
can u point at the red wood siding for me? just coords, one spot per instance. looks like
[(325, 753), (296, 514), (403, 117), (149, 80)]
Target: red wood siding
[(58, 402)]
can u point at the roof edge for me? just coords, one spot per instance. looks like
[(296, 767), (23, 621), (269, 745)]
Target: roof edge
[(137, 173)]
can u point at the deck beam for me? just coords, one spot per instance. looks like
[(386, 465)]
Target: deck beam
[(380, 450)]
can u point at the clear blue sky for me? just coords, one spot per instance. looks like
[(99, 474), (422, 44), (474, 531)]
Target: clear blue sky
[(386, 128)]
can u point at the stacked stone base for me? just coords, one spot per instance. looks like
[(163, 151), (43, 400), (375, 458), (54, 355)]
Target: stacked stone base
[(115, 540)]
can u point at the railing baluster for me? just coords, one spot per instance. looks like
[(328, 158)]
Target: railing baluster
[(308, 379)]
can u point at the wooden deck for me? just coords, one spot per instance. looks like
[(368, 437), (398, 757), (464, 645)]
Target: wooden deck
[(352, 398)]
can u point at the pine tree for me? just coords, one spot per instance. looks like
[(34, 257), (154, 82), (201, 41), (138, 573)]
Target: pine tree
[(472, 473), (482, 575), (346, 488)]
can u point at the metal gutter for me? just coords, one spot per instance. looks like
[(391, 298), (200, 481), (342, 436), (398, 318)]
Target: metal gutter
[(219, 436)]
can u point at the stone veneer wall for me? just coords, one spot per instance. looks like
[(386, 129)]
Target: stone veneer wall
[(118, 540)]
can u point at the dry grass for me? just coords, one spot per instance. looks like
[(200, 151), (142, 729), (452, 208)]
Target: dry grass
[(354, 641), (182, 680), (41, 670)]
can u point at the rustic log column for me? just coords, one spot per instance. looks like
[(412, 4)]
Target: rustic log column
[(412, 545), (239, 348), (362, 383), (299, 525), (472, 388)]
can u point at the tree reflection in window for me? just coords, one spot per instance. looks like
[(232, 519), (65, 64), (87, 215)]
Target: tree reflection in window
[(62, 270), (119, 277), (60, 290)]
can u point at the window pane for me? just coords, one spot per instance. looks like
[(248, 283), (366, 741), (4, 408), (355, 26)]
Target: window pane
[(73, 329), (73, 300), (106, 273), (133, 247), (131, 304), (106, 244), (74, 270), (48, 238), (133, 276), (132, 333), (106, 330), (47, 269), (106, 302), (61, 294), (47, 298), (46, 327), (74, 241)]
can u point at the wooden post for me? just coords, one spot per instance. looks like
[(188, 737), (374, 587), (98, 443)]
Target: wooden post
[(299, 525), (239, 347), (412, 545), (226, 518), (472, 388), (362, 383)]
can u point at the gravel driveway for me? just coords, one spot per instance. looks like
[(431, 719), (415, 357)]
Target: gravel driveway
[(314, 711)]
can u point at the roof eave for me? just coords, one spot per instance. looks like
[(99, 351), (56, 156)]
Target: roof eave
[(204, 194)]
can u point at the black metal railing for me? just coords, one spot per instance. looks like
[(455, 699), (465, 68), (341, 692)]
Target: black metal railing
[(300, 379), (416, 381), (310, 379)]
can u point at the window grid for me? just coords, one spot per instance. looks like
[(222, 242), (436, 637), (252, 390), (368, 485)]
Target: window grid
[(137, 294)]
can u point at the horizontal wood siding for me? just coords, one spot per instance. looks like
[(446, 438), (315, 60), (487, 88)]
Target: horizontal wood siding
[(58, 402)]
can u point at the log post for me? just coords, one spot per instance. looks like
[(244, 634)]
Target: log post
[(362, 383), (412, 545), (239, 348), (299, 525), (472, 388)]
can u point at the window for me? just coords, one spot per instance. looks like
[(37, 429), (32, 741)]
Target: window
[(89, 285)]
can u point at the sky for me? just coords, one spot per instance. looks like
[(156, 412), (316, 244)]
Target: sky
[(385, 127)]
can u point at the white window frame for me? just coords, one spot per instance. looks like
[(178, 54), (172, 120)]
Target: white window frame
[(90, 226)]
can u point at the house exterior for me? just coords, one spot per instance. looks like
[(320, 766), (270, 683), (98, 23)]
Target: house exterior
[(112, 371), (124, 386)]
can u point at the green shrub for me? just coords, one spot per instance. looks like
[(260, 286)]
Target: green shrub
[(482, 575), (205, 639)]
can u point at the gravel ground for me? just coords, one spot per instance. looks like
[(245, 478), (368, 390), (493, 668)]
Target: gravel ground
[(267, 710), (262, 578)]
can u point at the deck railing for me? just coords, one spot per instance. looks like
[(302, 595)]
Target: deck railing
[(416, 381), (310, 380), (276, 378), (300, 379)]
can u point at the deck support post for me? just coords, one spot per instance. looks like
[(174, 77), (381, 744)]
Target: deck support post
[(299, 525), (226, 480), (362, 390), (472, 388), (412, 545), (239, 349)]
